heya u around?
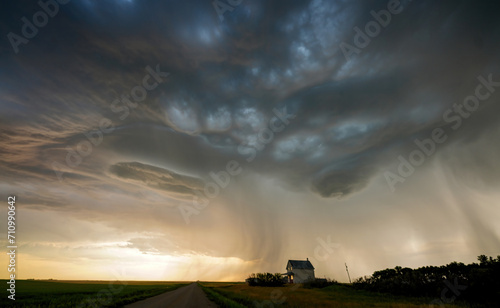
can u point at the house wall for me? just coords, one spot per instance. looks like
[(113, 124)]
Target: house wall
[(303, 275)]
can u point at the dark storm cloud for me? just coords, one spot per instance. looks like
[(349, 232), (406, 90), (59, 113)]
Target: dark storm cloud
[(158, 178), (226, 78)]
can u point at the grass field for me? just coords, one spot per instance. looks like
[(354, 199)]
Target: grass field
[(295, 296), (44, 293)]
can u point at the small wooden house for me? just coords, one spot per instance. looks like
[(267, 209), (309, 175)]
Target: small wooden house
[(299, 271)]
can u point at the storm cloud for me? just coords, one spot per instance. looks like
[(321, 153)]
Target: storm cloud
[(230, 86)]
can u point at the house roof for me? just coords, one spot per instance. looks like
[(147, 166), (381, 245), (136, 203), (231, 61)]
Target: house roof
[(299, 264)]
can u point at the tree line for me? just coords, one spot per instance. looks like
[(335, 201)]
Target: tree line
[(475, 282)]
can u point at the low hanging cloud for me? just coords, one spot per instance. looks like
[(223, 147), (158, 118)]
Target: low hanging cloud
[(341, 183), (174, 184)]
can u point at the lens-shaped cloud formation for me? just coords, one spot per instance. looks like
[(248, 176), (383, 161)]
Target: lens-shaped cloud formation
[(177, 185)]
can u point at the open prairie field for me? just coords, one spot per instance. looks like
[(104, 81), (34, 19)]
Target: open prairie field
[(242, 295), (60, 293)]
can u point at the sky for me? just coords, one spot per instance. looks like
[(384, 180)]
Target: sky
[(200, 140)]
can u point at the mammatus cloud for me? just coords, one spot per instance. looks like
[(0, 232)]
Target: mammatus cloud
[(226, 85)]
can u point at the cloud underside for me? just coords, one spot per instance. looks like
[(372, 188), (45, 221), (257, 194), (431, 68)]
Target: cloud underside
[(226, 81), (159, 179), (342, 183)]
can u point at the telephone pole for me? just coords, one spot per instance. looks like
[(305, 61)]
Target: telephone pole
[(347, 270)]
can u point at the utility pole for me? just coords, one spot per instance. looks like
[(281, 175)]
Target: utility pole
[(347, 270)]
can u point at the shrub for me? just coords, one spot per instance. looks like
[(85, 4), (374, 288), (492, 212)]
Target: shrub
[(265, 280), (319, 283)]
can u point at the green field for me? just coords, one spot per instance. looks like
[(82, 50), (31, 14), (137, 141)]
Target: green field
[(44, 293), (235, 295)]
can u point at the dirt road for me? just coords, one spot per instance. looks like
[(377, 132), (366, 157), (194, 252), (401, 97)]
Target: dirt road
[(191, 296)]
